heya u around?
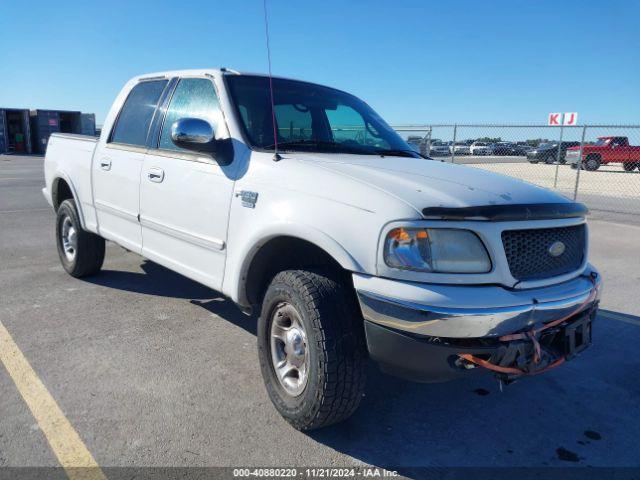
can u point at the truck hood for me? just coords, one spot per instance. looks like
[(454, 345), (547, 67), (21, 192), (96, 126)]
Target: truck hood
[(425, 183)]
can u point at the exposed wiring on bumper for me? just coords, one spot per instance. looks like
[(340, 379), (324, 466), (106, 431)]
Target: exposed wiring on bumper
[(541, 360)]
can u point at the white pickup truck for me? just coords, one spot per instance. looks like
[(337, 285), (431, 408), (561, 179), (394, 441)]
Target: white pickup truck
[(343, 241)]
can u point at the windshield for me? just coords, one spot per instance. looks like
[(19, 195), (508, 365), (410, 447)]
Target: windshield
[(311, 118), (547, 145), (602, 141)]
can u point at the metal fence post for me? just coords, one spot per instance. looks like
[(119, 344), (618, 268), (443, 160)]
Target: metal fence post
[(555, 180), (579, 164), (453, 147), (428, 140)]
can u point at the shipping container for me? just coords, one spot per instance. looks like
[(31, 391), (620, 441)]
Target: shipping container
[(3, 144), (46, 122), (15, 131), (88, 124)]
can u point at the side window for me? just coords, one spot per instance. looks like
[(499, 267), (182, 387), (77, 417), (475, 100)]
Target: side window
[(193, 98), (135, 117)]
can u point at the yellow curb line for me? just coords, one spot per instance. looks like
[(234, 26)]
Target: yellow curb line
[(65, 442)]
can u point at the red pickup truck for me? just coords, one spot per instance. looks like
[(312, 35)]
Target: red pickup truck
[(606, 150)]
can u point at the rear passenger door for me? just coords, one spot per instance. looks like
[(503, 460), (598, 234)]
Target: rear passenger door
[(118, 163), (185, 196)]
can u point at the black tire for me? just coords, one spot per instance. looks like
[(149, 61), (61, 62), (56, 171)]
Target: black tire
[(550, 159), (630, 166), (335, 348), (88, 248), (533, 161), (591, 163)]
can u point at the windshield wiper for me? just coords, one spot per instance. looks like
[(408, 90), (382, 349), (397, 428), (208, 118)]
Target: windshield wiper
[(336, 146), (309, 142), (395, 152)]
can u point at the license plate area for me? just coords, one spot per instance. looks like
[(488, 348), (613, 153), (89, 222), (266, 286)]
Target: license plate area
[(577, 336), (571, 338)]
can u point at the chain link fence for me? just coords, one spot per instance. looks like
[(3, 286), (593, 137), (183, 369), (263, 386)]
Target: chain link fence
[(598, 165)]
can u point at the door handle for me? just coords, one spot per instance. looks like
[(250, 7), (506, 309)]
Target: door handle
[(105, 164), (155, 175)]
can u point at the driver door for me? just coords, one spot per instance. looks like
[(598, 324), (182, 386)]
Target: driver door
[(185, 196)]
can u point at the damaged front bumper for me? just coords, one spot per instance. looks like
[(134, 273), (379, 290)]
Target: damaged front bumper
[(428, 332)]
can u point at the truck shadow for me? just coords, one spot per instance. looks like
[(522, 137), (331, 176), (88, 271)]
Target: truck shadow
[(582, 414), (160, 281)]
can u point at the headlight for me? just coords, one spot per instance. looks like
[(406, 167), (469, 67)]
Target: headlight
[(436, 250)]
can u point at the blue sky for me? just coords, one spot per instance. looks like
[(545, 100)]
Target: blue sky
[(413, 61)]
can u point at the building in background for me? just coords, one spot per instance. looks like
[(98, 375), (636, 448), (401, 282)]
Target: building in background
[(15, 132), (24, 131), (46, 122)]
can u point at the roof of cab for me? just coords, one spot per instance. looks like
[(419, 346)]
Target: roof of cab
[(181, 73), (203, 71), (214, 72)]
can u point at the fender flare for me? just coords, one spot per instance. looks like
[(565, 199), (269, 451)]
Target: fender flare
[(60, 175), (300, 231)]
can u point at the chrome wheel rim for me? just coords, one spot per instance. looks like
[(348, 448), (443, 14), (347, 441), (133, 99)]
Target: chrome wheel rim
[(69, 239), (289, 352)]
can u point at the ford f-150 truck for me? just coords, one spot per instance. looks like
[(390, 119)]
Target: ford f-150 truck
[(299, 203), (606, 150)]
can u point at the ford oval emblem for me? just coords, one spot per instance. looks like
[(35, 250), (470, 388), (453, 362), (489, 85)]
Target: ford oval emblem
[(557, 248)]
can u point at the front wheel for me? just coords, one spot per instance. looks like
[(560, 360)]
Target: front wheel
[(630, 166), (81, 252), (311, 348), (592, 163)]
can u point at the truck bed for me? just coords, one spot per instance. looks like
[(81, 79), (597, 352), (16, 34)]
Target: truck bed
[(69, 156)]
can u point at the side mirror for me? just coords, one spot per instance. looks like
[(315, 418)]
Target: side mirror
[(194, 134)]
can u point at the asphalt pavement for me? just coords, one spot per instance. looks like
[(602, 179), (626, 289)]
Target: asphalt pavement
[(153, 369)]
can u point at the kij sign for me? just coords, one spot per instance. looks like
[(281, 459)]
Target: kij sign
[(565, 119)]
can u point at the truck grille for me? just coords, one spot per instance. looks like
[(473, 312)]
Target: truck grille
[(529, 256)]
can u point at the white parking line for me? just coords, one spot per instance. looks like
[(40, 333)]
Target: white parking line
[(26, 210), (619, 318)]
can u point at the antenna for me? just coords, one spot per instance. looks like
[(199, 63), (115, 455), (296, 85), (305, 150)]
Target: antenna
[(276, 156)]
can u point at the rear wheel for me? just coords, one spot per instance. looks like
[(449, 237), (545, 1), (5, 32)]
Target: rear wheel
[(81, 252), (311, 348), (592, 163)]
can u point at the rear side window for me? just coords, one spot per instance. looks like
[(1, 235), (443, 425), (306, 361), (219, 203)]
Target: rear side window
[(193, 98), (135, 117)]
